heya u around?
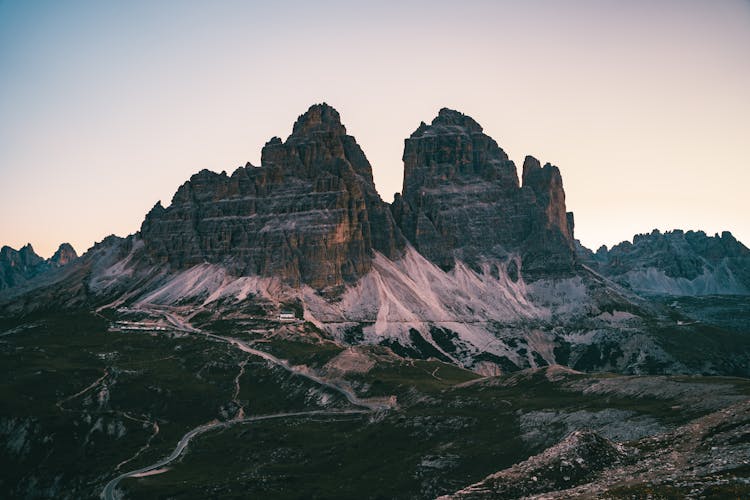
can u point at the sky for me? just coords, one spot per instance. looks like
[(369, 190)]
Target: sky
[(107, 107)]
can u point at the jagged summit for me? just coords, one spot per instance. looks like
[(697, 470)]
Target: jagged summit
[(318, 142), (677, 263), (19, 266), (462, 200), (449, 121), (65, 253), (319, 118), (310, 214)]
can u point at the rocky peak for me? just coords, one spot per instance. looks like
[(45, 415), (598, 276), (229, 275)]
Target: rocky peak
[(462, 200), (309, 214), (320, 118), (449, 121), (64, 254), (19, 266), (546, 183), (530, 166), (454, 149), (28, 257), (541, 179), (679, 263), (318, 145)]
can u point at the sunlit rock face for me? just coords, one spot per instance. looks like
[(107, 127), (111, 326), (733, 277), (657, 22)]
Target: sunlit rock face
[(309, 214), (64, 255), (462, 200)]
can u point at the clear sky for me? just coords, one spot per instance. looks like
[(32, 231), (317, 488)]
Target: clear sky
[(107, 107)]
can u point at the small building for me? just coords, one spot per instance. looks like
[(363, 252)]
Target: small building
[(287, 316)]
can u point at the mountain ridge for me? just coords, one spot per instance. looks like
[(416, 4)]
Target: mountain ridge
[(17, 267), (676, 262), (468, 264)]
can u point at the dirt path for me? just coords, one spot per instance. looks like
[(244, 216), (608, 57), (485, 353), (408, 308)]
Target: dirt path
[(178, 323)]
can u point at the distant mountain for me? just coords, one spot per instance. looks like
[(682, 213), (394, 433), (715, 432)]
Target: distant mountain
[(676, 263), (19, 266)]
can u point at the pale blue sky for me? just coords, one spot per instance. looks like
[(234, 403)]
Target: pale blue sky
[(106, 107)]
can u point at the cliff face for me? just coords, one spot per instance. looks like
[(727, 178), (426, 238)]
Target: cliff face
[(309, 214), (64, 255), (462, 200)]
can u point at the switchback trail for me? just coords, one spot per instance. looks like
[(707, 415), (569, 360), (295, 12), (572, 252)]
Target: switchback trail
[(109, 491)]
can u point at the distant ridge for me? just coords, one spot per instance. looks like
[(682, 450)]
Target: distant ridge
[(676, 263), (19, 266)]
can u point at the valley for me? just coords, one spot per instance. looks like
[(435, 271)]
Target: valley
[(301, 416)]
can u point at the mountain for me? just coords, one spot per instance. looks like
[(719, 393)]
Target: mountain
[(468, 265), (272, 331), (309, 214), (19, 266), (462, 201), (64, 255), (677, 263)]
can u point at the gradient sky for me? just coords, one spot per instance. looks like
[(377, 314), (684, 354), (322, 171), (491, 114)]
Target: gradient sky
[(107, 107)]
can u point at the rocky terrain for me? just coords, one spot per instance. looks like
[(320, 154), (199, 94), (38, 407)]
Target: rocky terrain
[(19, 266), (676, 263), (707, 458)]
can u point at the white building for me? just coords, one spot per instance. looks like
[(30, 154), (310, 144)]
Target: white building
[(287, 316)]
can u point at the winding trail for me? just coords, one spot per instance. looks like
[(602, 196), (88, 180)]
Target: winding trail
[(96, 382), (182, 325), (154, 431), (238, 387), (109, 491), (366, 406)]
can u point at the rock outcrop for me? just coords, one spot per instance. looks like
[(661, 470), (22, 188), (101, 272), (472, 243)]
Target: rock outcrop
[(705, 458), (577, 459), (64, 255), (309, 214), (677, 263), (19, 266), (462, 200)]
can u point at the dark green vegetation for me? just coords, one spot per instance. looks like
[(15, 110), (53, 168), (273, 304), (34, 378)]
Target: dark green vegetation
[(79, 399), (708, 334)]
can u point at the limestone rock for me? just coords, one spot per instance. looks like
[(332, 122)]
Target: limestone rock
[(462, 200), (309, 214)]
